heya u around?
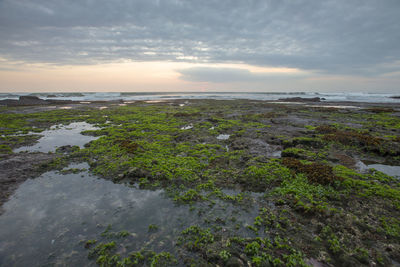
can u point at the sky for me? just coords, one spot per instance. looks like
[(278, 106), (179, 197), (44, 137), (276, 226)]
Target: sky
[(191, 45)]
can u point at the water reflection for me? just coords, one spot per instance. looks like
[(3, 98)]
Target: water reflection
[(61, 135), (187, 127), (387, 169), (223, 136), (47, 218)]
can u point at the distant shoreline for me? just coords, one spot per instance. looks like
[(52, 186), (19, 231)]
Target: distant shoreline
[(266, 96)]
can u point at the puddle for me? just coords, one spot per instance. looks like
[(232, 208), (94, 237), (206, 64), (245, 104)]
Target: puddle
[(260, 147), (223, 136), (395, 263), (315, 106), (65, 107), (61, 136), (47, 218), (275, 154), (101, 108), (387, 169), (85, 102), (155, 101), (315, 263), (187, 127), (328, 106), (81, 165), (284, 102)]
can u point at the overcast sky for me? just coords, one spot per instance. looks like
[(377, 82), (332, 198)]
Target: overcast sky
[(127, 45)]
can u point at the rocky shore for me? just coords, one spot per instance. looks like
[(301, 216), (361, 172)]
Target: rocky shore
[(33, 101), (304, 166)]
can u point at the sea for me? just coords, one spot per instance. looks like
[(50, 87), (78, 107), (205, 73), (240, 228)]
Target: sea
[(132, 96)]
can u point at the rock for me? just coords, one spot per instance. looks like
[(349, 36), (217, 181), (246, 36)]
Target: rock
[(16, 168), (315, 263), (135, 172), (343, 159), (55, 101), (66, 149), (28, 97), (30, 100), (119, 177), (347, 261), (301, 99), (234, 262)]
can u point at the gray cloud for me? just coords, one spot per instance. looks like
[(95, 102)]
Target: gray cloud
[(351, 37)]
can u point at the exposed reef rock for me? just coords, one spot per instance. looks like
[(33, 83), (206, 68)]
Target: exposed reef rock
[(33, 101), (302, 99)]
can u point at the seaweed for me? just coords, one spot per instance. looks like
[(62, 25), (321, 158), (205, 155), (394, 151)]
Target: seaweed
[(316, 172)]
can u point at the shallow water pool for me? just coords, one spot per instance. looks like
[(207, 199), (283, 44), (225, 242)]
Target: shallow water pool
[(61, 135), (48, 219), (387, 169)]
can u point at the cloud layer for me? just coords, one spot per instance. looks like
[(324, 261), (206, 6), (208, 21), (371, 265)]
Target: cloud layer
[(331, 37)]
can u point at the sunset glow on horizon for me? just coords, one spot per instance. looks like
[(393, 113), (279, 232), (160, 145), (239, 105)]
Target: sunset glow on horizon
[(120, 76)]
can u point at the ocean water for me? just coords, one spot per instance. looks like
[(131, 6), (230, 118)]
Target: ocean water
[(334, 97)]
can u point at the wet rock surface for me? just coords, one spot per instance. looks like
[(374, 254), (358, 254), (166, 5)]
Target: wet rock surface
[(33, 101), (301, 99), (17, 168)]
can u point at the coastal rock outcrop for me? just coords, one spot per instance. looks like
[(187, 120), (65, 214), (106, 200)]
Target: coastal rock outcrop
[(32, 101), (302, 99)]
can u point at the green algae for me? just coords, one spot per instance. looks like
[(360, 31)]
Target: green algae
[(5, 149), (147, 145)]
